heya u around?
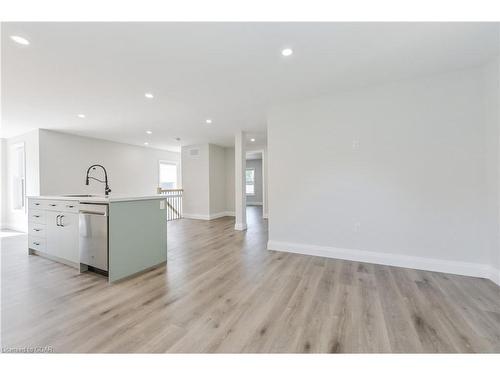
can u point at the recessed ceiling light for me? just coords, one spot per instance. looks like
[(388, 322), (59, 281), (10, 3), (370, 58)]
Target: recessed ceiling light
[(177, 139), (146, 144), (149, 95), (81, 115), (149, 132), (252, 139), (20, 40), (208, 121), (287, 52)]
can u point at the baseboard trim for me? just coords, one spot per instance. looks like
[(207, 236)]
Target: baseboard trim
[(195, 216), (220, 214), (208, 217), (495, 275), (406, 261), (254, 203), (239, 226)]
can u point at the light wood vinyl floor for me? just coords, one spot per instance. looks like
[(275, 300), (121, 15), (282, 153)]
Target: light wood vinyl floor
[(222, 291)]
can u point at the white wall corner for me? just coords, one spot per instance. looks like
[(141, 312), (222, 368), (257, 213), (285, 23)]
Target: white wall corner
[(397, 260)]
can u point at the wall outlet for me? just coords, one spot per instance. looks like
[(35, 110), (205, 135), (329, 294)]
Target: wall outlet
[(357, 227)]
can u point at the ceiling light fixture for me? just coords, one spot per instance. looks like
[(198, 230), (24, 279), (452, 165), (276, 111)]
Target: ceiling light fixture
[(20, 40), (81, 115), (149, 95), (287, 52), (252, 139), (146, 144), (149, 132), (208, 121)]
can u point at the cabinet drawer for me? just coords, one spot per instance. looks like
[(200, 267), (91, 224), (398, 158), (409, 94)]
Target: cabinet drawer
[(36, 229), (36, 243), (63, 206), (69, 206), (36, 204), (37, 216)]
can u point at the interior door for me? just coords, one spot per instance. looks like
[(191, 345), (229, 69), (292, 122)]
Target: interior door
[(52, 232)]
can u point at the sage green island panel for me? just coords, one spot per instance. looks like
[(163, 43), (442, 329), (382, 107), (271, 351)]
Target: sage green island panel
[(137, 237)]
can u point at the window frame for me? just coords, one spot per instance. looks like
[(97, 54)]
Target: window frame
[(249, 194), (177, 165)]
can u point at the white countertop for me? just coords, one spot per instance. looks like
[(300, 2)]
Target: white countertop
[(101, 198)]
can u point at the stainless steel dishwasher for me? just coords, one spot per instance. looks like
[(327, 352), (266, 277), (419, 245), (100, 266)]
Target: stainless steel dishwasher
[(93, 243)]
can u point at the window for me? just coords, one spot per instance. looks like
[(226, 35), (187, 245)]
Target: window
[(18, 181), (250, 181), (168, 175)]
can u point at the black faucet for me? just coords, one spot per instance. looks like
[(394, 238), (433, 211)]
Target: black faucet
[(107, 190)]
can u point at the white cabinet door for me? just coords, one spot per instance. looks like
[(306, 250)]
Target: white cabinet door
[(62, 235), (52, 232), (68, 237)]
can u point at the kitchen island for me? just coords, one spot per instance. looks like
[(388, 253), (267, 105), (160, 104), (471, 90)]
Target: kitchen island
[(118, 236)]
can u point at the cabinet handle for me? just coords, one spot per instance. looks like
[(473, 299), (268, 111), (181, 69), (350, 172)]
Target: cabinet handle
[(37, 204), (36, 215), (36, 243), (57, 220), (37, 230), (52, 205), (60, 221), (70, 206)]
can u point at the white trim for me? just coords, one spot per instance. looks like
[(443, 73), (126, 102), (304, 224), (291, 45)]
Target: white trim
[(208, 217), (407, 261), (254, 203), (220, 214), (239, 226), (494, 275), (177, 164), (265, 215)]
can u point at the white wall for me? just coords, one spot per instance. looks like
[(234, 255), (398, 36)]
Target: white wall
[(195, 181), (208, 191), (229, 162), (64, 160), (217, 179), (397, 174), (491, 81), (3, 182), (18, 219), (265, 177), (257, 198)]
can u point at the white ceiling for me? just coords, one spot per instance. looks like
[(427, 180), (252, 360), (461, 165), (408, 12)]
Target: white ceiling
[(229, 72)]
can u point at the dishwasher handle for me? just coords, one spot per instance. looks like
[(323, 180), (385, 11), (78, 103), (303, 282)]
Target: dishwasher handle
[(93, 213)]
